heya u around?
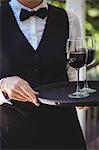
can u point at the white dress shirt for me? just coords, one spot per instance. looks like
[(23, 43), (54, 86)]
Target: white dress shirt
[(33, 28)]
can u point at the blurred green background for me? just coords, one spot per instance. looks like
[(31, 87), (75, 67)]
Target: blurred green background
[(92, 28)]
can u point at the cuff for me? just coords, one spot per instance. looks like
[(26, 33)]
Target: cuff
[(2, 97)]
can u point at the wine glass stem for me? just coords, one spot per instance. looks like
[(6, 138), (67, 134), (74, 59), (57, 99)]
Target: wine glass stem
[(86, 83), (77, 88)]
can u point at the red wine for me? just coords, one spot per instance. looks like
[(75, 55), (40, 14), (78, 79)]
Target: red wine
[(77, 58), (91, 55)]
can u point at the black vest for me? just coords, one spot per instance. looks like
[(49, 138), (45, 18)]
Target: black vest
[(18, 58)]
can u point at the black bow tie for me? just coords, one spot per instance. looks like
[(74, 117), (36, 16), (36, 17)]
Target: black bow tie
[(42, 13)]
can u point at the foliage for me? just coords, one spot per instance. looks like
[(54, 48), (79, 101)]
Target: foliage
[(91, 27), (58, 3), (92, 23)]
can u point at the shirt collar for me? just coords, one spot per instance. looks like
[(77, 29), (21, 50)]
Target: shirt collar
[(18, 6)]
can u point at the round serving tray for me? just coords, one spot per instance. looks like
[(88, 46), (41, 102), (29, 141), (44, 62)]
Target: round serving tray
[(57, 94)]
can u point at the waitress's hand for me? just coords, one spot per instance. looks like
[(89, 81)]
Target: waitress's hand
[(83, 107), (18, 89)]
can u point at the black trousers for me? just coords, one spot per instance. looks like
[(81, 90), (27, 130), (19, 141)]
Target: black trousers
[(25, 126)]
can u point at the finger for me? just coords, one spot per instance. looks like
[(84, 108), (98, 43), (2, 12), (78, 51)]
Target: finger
[(29, 91), (19, 91), (19, 97), (32, 99), (15, 90), (86, 108)]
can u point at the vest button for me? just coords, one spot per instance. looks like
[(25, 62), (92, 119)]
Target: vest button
[(35, 69), (36, 55)]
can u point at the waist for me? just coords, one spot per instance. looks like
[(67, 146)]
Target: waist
[(26, 109)]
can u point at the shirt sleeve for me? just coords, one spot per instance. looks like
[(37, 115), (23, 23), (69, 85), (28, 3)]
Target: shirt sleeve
[(2, 97), (74, 32)]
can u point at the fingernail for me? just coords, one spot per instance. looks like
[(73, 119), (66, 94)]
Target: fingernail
[(37, 104), (37, 93)]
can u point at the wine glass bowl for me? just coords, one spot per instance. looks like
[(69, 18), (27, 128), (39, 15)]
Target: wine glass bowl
[(77, 58)]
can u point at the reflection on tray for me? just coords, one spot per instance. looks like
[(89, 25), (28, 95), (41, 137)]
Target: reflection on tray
[(48, 102)]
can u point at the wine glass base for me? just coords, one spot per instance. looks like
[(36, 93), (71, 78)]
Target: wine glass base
[(87, 89), (78, 95)]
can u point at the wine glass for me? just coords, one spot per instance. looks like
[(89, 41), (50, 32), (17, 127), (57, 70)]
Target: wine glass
[(90, 51), (76, 55)]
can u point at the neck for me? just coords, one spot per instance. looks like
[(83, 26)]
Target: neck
[(30, 3)]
